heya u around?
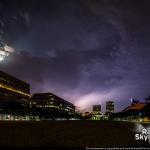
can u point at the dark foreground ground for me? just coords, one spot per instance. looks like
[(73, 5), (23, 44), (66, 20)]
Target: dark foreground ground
[(68, 134)]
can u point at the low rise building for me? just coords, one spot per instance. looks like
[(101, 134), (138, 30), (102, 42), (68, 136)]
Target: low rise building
[(49, 105)]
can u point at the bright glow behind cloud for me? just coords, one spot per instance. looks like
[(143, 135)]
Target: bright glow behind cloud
[(9, 48), (3, 54), (92, 98), (85, 102), (1, 58)]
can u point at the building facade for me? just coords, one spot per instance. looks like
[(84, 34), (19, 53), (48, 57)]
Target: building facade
[(136, 111), (96, 108), (96, 115), (110, 106), (14, 97), (49, 105), (12, 88)]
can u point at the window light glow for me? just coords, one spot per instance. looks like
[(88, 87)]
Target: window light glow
[(14, 90)]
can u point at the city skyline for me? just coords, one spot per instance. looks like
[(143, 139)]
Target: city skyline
[(85, 51)]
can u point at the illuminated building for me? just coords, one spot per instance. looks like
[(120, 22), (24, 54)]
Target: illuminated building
[(96, 108), (137, 111), (110, 106), (85, 114), (135, 106), (107, 115), (96, 113), (14, 97), (49, 105), (12, 88)]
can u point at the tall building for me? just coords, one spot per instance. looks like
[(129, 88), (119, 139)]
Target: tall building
[(110, 106), (96, 108), (51, 105), (12, 88), (14, 96)]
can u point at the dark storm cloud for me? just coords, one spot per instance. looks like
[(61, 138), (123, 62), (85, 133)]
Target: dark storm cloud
[(85, 51)]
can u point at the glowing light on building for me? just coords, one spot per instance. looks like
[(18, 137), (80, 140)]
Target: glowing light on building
[(13, 90)]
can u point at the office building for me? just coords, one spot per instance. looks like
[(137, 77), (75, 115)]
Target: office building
[(14, 96), (12, 88), (49, 105), (110, 106), (96, 108)]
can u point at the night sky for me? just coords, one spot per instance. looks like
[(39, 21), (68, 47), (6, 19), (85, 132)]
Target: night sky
[(86, 51)]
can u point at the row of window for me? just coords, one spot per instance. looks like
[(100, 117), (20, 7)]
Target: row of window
[(13, 90), (12, 84), (53, 106), (49, 102)]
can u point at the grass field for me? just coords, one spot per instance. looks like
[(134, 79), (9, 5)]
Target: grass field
[(68, 134)]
